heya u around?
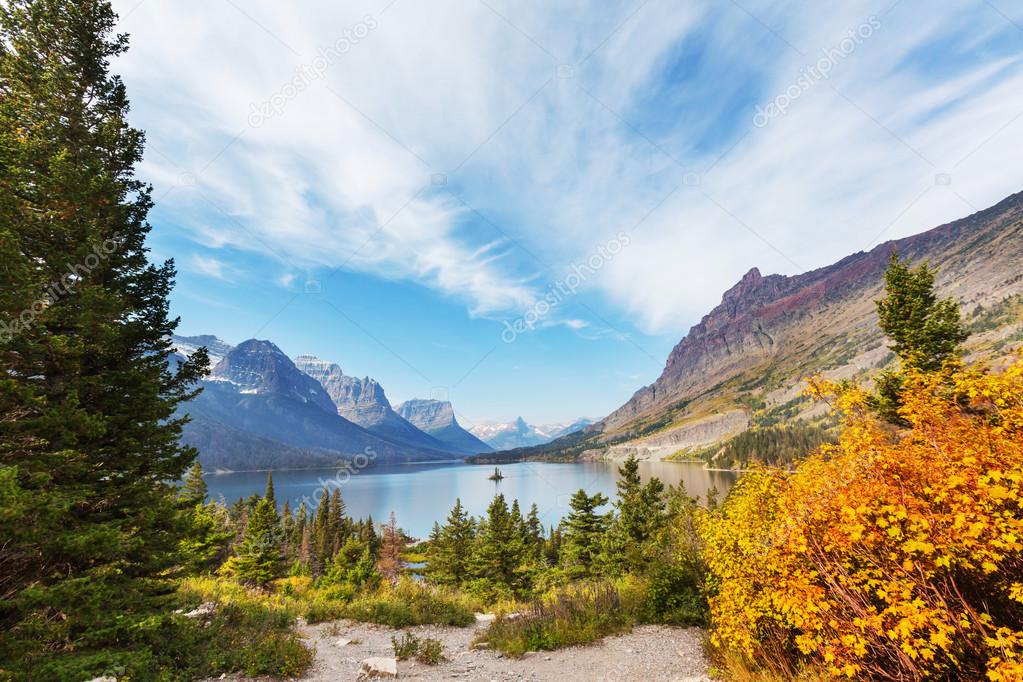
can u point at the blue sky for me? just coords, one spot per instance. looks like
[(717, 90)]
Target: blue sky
[(394, 185)]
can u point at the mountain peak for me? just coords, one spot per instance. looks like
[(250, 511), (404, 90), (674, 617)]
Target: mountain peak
[(259, 366), (437, 418), (217, 348)]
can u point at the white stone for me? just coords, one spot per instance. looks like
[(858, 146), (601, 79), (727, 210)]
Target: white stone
[(379, 667), (485, 617), (203, 610), (342, 642)]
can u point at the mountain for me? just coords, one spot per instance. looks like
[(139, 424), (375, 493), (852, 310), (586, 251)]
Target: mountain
[(256, 400), (552, 431), (437, 418), (364, 402), (217, 349), (514, 434), (519, 434), (744, 363), (261, 368)]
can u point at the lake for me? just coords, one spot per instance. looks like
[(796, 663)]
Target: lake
[(420, 494)]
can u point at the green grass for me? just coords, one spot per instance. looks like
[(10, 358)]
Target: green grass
[(578, 614), (409, 603), (244, 634)]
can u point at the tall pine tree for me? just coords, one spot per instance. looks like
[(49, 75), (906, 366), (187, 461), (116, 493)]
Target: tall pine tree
[(88, 432), (583, 531), (925, 332), (259, 559)]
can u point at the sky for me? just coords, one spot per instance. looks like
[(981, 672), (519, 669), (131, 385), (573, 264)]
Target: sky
[(521, 207)]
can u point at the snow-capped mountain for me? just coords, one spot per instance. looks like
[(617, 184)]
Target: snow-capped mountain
[(257, 410), (519, 434), (216, 348)]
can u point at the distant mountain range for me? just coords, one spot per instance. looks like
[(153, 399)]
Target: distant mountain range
[(437, 418), (259, 409), (518, 434), (743, 365)]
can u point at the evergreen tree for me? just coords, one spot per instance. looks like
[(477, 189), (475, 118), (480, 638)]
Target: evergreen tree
[(193, 490), (269, 494), (368, 534), (258, 560), (210, 533), (583, 531), (88, 430), (450, 554), (435, 533), (497, 558), (926, 332), (287, 526), (534, 531), (629, 490), (322, 549), (338, 521)]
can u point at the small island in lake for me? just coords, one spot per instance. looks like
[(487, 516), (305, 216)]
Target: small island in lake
[(497, 475)]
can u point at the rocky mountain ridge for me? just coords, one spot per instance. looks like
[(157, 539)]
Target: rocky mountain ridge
[(744, 362), (437, 418), (364, 402), (259, 410)]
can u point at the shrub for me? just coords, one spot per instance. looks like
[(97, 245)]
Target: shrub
[(674, 597), (406, 647), (578, 614), (895, 553), (409, 603), (431, 651)]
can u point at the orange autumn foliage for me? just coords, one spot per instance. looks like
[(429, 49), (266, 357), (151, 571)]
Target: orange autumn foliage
[(894, 554)]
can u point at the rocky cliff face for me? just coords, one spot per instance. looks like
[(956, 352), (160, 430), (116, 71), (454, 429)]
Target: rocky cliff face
[(364, 402), (769, 332), (437, 418), (260, 367)]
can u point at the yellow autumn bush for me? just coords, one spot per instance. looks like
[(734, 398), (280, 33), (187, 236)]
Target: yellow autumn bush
[(894, 554)]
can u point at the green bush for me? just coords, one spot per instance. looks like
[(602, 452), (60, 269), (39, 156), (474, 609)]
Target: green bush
[(431, 651), (406, 647), (409, 603), (578, 614), (674, 597)]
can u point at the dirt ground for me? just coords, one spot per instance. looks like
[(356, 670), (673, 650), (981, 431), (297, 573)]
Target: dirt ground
[(649, 653)]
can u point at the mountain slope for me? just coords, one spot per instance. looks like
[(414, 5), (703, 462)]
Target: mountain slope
[(437, 418), (363, 402), (256, 398), (744, 362)]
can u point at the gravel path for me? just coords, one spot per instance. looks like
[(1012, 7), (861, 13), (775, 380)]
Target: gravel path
[(649, 653)]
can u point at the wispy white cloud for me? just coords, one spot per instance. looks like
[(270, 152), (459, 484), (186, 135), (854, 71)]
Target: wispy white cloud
[(448, 148), (210, 267)]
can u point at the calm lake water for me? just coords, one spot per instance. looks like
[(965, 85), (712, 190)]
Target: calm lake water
[(420, 494)]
